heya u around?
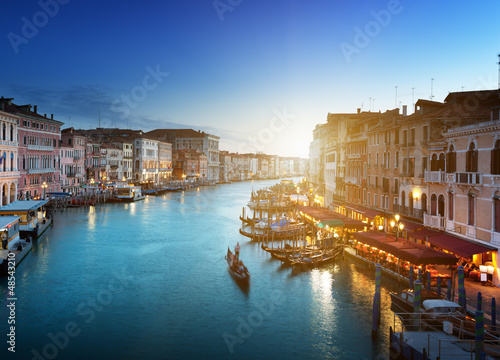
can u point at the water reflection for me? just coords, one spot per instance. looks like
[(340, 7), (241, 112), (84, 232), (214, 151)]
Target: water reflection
[(180, 292)]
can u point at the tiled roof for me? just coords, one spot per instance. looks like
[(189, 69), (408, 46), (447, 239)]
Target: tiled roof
[(178, 133), (23, 110)]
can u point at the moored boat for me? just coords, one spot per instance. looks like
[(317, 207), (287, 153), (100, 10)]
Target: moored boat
[(403, 302), (33, 217), (237, 269), (317, 258), (13, 249), (129, 194), (435, 312)]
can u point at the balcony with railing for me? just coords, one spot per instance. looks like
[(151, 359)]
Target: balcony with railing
[(435, 221), (41, 171), (353, 156), (469, 178), (435, 176), (409, 212), (8, 143), (40, 148), (9, 174)]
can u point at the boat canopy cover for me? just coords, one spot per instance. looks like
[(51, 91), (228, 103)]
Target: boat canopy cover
[(7, 220), (281, 223), (432, 304), (58, 194), (331, 223), (23, 205)]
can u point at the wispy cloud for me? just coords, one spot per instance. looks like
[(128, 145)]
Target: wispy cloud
[(81, 105)]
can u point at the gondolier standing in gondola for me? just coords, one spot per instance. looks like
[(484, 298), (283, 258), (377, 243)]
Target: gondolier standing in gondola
[(237, 251)]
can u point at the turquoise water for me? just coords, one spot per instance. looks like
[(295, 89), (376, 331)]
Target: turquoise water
[(148, 280)]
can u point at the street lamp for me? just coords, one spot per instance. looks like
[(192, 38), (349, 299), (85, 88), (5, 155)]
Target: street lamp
[(398, 224), (44, 186)]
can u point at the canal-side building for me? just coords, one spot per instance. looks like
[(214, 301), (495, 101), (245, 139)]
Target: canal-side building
[(225, 167), (9, 160), (190, 165), (146, 166), (38, 149), (73, 149), (113, 164), (439, 169), (93, 160), (165, 162), (186, 139), (382, 166)]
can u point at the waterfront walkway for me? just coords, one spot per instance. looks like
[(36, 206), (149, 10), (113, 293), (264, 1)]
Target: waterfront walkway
[(471, 289)]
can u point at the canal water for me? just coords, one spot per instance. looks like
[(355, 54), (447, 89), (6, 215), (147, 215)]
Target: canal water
[(148, 280)]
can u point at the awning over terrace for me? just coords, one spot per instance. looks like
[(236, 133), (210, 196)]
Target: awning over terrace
[(454, 244), (322, 214), (414, 253)]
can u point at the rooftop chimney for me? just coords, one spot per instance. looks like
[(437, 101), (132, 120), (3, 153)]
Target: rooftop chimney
[(35, 108), (51, 116), (44, 115), (405, 111), (359, 110)]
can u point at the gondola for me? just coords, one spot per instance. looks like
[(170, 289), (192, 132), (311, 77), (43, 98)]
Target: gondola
[(237, 270), (317, 258)]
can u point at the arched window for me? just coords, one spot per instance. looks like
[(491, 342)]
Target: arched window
[(451, 160), (12, 193), (433, 204), (441, 205), (450, 205), (4, 194), (434, 162), (403, 199), (496, 210), (11, 133), (424, 203), (396, 160), (410, 202), (471, 161), (4, 132), (471, 210), (495, 158), (137, 165), (441, 162)]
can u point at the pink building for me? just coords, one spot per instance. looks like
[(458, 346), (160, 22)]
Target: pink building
[(38, 151)]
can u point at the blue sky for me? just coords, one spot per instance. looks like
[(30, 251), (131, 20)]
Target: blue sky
[(259, 74)]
